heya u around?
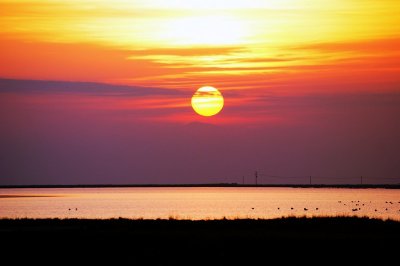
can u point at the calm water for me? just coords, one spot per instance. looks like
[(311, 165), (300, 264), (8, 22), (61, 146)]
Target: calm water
[(197, 203)]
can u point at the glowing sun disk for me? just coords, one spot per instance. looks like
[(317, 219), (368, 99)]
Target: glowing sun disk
[(207, 101)]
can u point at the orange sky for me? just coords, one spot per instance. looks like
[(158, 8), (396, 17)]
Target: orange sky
[(183, 44), (247, 48)]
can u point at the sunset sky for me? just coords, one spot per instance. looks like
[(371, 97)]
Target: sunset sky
[(99, 91)]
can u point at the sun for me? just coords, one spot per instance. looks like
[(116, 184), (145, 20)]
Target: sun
[(207, 101)]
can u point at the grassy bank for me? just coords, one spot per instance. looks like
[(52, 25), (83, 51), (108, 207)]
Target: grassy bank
[(214, 242)]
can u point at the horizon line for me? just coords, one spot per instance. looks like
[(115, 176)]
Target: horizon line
[(392, 186)]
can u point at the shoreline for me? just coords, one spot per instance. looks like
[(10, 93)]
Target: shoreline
[(216, 185), (340, 218)]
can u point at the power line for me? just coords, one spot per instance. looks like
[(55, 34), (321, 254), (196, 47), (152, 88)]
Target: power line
[(319, 177), (279, 176)]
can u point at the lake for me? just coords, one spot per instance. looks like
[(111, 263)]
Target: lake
[(197, 202)]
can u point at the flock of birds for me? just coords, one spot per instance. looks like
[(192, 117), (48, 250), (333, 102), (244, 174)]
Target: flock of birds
[(354, 204)]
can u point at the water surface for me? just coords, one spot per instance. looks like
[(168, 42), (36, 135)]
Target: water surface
[(197, 202)]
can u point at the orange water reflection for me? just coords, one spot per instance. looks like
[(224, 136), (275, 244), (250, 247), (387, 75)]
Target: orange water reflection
[(198, 203)]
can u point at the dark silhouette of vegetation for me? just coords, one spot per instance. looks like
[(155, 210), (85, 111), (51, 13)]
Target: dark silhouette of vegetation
[(319, 241)]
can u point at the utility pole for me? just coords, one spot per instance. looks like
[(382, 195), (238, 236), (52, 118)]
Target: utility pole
[(256, 175), (243, 180)]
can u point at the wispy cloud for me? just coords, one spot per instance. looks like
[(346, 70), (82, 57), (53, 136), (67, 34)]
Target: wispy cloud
[(80, 88)]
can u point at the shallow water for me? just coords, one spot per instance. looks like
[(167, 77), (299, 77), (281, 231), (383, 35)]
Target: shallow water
[(197, 203)]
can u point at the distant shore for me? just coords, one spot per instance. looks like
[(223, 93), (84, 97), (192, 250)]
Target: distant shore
[(338, 240), (386, 186)]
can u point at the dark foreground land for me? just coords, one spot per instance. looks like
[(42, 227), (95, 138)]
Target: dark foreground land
[(286, 241)]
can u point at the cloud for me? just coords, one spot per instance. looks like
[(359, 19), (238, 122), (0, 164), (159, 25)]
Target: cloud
[(80, 88), (197, 51), (373, 45)]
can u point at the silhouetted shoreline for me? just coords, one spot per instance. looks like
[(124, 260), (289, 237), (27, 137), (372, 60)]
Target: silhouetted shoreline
[(326, 240), (386, 186)]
